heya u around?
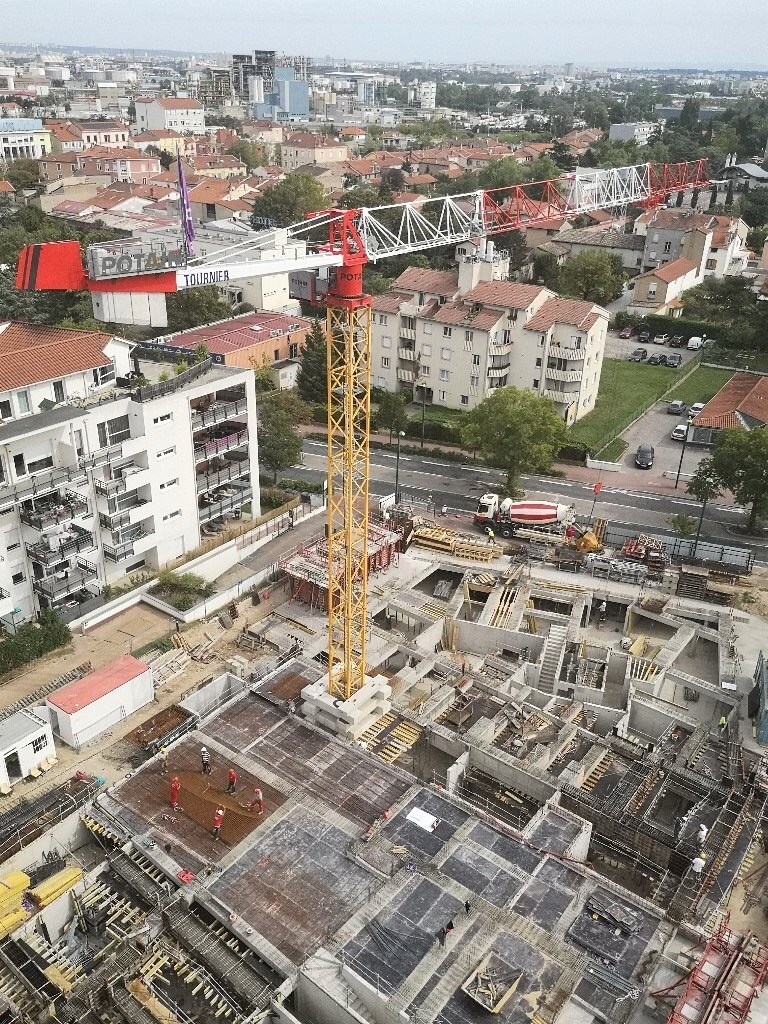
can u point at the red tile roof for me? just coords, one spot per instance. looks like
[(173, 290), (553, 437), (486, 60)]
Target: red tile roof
[(75, 696), (32, 353), (436, 282), (238, 333), (172, 103), (508, 294), (564, 311), (466, 315), (671, 271), (389, 302), (6, 186), (743, 399)]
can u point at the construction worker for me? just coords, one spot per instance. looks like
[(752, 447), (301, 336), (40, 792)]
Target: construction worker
[(205, 761), (491, 535), (602, 611), (232, 781), (701, 838), (698, 864), (722, 725), (175, 787), (163, 760), (218, 817), (258, 801)]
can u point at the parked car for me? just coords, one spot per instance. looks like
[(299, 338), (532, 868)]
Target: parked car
[(677, 341), (677, 408), (639, 355), (644, 456), (673, 359), (696, 408), (627, 332), (657, 359), (680, 432), (644, 337), (660, 339), (694, 344)]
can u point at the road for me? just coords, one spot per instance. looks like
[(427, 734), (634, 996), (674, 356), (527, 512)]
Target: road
[(458, 487)]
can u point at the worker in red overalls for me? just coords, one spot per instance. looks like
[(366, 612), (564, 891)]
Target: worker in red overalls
[(218, 817), (175, 787), (258, 801), (232, 781)]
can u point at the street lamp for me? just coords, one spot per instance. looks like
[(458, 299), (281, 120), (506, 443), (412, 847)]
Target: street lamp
[(682, 453), (711, 483), (400, 434)]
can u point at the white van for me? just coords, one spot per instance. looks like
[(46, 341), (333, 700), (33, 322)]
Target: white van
[(694, 344)]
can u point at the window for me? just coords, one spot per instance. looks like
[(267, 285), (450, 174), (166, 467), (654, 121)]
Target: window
[(163, 419), (424, 370), (506, 336), (19, 465), (445, 375), (426, 350), (22, 397), (58, 391), (447, 332), (409, 323), (441, 395), (464, 399), (711, 264), (538, 361), (445, 353), (39, 743), (18, 577), (475, 360), (474, 381), (386, 342), (169, 483), (40, 464), (427, 328), (276, 354), (5, 410), (655, 236), (469, 337), (535, 382), (171, 515), (421, 298), (380, 382), (652, 291), (166, 453), (667, 247), (103, 374), (382, 319), (385, 362), (114, 431)]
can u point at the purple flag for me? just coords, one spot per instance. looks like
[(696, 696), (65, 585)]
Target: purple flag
[(187, 225)]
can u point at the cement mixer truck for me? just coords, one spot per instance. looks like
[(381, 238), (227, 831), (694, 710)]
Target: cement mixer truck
[(505, 517)]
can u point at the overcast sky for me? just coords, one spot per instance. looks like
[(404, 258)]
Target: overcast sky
[(680, 33)]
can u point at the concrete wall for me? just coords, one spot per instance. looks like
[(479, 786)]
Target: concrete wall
[(66, 836), (490, 762), (220, 690), (320, 1007)]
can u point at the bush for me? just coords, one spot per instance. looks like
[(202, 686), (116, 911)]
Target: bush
[(33, 640), (319, 414), (434, 430), (182, 591), (309, 486), (672, 325), (273, 497)]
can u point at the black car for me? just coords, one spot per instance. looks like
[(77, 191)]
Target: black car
[(677, 341), (644, 337), (644, 456), (657, 359), (639, 355), (674, 359)]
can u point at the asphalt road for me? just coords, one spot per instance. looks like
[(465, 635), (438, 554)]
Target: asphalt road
[(459, 486)]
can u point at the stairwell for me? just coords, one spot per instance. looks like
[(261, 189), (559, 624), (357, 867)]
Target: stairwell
[(552, 658)]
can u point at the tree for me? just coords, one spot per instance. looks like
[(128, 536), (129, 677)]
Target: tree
[(312, 381), (689, 115), (289, 201), (713, 196), (562, 156), (703, 486), (753, 207), (679, 196), (682, 525), (201, 353), (729, 195), (517, 431), (392, 414), (695, 198), (593, 276), (279, 441), (394, 178), (739, 463), (252, 154), (23, 173), (194, 307)]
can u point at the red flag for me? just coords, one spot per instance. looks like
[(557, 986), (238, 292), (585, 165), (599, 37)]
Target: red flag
[(597, 488)]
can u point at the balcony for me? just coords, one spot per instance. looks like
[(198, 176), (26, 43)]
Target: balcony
[(216, 476), (409, 354), (65, 582), (406, 376), (114, 520), (44, 515), (498, 371), (558, 352), (40, 484), (61, 546), (408, 333), (78, 604), (223, 501), (225, 442), (177, 383), (218, 412), (128, 475), (563, 397), (101, 457), (567, 375)]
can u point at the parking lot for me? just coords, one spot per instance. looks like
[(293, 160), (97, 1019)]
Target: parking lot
[(654, 428), (621, 348)]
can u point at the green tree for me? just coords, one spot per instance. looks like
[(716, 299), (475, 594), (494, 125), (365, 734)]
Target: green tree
[(739, 463), (289, 201), (194, 307), (394, 178), (201, 353), (753, 207), (251, 153), (756, 238), (392, 414), (563, 157), (279, 441), (689, 115), (729, 195), (695, 198), (546, 270), (682, 525), (594, 276), (713, 196), (517, 431), (501, 174), (312, 381), (679, 196), (23, 173), (704, 486)]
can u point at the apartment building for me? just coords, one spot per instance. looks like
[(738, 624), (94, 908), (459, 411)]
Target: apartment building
[(716, 245), (23, 138), (450, 338), (182, 115), (639, 132), (301, 148), (119, 164), (103, 480)]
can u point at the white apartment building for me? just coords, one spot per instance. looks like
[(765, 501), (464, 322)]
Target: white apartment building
[(23, 138), (635, 131), (181, 115), (103, 481), (451, 338)]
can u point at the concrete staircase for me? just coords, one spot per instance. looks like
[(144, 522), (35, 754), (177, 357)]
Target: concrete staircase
[(552, 658)]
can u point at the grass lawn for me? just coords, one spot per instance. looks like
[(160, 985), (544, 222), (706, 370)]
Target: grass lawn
[(626, 389), (702, 385), (614, 451), (436, 413)]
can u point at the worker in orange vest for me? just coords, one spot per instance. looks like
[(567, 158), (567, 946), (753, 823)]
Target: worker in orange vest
[(218, 817), (232, 780), (175, 787), (258, 801)]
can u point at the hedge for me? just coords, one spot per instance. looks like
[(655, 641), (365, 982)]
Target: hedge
[(673, 325), (434, 430), (32, 641)]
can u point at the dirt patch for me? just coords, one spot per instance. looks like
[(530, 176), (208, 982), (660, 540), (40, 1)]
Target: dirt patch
[(156, 726), (751, 593)]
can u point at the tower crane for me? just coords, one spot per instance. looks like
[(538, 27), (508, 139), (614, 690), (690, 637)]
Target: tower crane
[(128, 286)]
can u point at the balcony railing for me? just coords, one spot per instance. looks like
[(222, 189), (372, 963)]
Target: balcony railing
[(39, 485), (173, 385), (408, 332), (59, 548), (563, 397), (218, 508), (52, 515), (110, 487), (218, 445), (126, 547), (114, 520), (409, 354), (567, 375), (558, 352), (407, 376), (101, 457), (498, 371), (66, 582), (78, 605), (219, 412), (216, 477)]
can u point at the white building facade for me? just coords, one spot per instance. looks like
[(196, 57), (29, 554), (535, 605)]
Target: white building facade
[(23, 138), (181, 115)]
